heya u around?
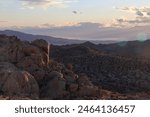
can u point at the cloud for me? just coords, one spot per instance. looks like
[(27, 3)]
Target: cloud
[(127, 9), (75, 12), (46, 3), (145, 9), (47, 25), (141, 16), (137, 21), (139, 13), (120, 20), (142, 11), (148, 13)]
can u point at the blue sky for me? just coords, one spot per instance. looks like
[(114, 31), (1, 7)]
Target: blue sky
[(27, 15)]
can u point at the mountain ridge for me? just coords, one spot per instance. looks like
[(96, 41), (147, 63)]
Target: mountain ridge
[(50, 39)]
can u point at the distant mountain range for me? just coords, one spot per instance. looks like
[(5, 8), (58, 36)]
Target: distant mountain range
[(124, 48), (52, 40), (139, 49)]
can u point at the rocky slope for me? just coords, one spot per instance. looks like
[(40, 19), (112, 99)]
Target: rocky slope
[(27, 72), (124, 74)]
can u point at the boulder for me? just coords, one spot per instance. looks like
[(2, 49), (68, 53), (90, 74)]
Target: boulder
[(5, 66), (15, 82), (91, 91), (55, 75), (55, 89), (73, 87), (84, 80), (55, 86), (42, 44)]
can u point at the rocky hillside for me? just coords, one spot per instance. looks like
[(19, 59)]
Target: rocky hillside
[(124, 74), (27, 72)]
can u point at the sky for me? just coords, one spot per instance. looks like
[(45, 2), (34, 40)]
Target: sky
[(82, 19)]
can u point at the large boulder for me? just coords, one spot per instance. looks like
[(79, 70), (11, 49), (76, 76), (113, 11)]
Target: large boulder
[(55, 87), (14, 82)]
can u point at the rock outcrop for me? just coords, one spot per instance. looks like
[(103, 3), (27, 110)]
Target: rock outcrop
[(32, 57)]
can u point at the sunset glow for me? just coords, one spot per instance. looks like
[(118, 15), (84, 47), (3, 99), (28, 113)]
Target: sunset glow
[(24, 15)]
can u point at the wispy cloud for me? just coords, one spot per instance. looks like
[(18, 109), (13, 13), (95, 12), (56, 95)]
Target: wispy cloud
[(141, 16), (76, 12), (142, 11), (46, 3), (139, 13), (134, 21)]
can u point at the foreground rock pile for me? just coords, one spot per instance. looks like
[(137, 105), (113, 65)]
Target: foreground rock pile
[(27, 72)]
